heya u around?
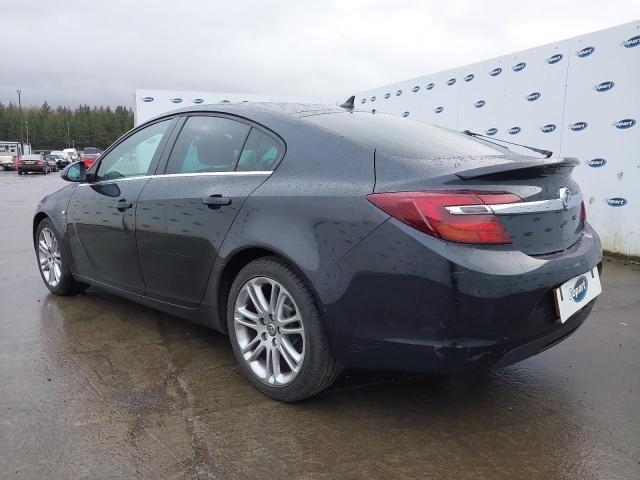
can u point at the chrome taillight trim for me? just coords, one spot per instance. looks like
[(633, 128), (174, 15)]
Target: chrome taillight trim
[(565, 201)]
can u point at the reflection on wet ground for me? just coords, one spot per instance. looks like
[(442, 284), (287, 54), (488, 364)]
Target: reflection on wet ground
[(95, 386)]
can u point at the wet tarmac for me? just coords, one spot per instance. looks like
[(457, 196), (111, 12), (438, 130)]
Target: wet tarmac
[(94, 386)]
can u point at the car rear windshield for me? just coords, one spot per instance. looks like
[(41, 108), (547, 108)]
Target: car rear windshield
[(403, 137)]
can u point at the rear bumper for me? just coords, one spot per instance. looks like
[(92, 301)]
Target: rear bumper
[(414, 303), (32, 168)]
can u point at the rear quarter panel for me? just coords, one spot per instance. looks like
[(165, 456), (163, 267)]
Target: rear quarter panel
[(313, 209)]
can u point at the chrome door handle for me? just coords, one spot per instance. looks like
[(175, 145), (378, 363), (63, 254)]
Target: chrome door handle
[(123, 205), (214, 201)]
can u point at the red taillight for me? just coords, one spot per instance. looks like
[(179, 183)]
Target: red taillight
[(40, 162), (583, 212), (474, 222)]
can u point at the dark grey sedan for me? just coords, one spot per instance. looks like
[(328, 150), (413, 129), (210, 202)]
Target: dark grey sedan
[(320, 238)]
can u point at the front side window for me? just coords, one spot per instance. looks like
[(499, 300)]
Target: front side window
[(133, 156), (207, 144), (260, 152)]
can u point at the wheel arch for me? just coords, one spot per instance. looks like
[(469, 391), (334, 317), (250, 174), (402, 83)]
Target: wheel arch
[(37, 219), (241, 258)]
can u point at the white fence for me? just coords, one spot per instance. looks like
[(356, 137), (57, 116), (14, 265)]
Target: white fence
[(151, 103), (578, 97)]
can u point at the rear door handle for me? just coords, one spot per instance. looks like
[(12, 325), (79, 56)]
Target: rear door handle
[(123, 205), (216, 201)]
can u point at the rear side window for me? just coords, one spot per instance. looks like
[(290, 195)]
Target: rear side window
[(402, 137), (207, 144), (260, 152)]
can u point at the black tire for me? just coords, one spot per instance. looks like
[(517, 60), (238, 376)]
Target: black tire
[(67, 285), (319, 368), (19, 172)]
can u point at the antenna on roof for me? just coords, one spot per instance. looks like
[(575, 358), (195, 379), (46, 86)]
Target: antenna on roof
[(350, 103)]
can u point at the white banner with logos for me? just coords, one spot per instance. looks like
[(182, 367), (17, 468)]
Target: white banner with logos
[(151, 103), (578, 97)]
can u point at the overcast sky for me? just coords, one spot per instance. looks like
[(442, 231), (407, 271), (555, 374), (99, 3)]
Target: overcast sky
[(99, 52)]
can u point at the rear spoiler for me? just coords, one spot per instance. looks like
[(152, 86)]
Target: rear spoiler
[(511, 166)]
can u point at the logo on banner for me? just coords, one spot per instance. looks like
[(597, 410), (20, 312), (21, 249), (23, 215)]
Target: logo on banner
[(439, 109), (554, 58), (469, 77), (147, 99), (604, 86), (491, 131), (176, 100), (451, 81), (578, 126), (533, 96), (616, 202), (632, 42), (363, 100), (585, 52), (430, 86), (387, 95), (398, 93), (518, 67), (479, 104), (626, 123), (198, 100), (548, 128), (405, 114), (372, 99), (495, 72), (514, 130), (579, 290), (415, 89), (597, 162)]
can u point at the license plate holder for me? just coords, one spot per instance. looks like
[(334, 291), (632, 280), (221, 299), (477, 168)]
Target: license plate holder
[(576, 292)]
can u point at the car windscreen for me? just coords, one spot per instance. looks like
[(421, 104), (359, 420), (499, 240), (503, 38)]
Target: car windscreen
[(403, 137)]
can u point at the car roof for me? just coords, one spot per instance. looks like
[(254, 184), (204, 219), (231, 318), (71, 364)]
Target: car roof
[(263, 109)]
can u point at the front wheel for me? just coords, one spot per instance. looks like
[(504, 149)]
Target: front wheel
[(53, 266), (277, 333)]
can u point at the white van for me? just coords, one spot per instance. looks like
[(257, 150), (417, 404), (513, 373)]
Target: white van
[(71, 153)]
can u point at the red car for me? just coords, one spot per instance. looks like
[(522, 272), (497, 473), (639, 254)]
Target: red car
[(89, 155), (89, 158)]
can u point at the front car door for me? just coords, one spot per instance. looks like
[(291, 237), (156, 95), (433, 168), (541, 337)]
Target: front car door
[(184, 214), (101, 213)]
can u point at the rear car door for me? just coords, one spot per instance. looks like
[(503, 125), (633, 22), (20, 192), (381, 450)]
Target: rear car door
[(101, 213), (184, 214)]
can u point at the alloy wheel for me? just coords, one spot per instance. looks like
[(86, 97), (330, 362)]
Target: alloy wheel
[(269, 331), (49, 257)]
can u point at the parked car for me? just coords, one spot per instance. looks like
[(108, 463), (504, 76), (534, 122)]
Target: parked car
[(72, 154), (320, 238), (33, 163), (52, 162), (89, 155), (61, 160)]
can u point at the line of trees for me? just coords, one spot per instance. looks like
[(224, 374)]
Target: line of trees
[(87, 126)]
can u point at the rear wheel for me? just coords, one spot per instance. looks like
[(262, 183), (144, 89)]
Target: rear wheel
[(53, 266), (276, 332)]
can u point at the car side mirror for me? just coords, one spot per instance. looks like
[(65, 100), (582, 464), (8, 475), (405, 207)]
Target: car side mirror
[(75, 172)]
